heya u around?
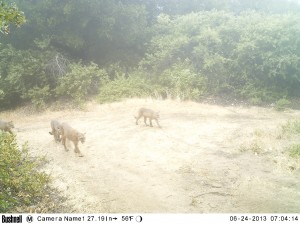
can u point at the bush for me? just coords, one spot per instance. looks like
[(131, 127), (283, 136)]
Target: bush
[(180, 81), (291, 127), (294, 151), (136, 85), (255, 101), (24, 77), (81, 81), (249, 55), (22, 185), (281, 104), (39, 97)]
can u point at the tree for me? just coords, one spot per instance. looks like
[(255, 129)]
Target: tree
[(252, 55), (102, 31), (9, 13)]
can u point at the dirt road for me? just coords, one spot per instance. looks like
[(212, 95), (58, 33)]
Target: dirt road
[(204, 159)]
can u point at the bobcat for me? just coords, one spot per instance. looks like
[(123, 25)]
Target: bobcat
[(147, 113), (56, 130), (6, 126), (73, 135)]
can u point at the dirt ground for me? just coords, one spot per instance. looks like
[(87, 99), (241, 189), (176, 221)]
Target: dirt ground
[(204, 159)]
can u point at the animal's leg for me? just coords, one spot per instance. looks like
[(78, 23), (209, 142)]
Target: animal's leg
[(64, 143), (157, 123), (77, 149), (150, 122), (145, 120), (137, 119)]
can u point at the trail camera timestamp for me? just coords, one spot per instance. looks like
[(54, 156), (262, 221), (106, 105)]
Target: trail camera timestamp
[(262, 218)]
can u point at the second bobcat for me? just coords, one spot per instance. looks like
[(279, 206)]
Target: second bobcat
[(147, 113), (67, 132)]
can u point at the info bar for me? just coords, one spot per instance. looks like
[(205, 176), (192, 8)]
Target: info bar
[(151, 219)]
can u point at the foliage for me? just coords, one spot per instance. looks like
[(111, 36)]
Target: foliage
[(26, 77), (180, 81), (101, 31), (242, 49), (255, 101), (22, 73), (294, 151), (21, 183), (251, 55), (291, 127), (9, 13), (281, 104), (57, 67), (39, 97), (81, 81), (181, 7), (135, 85)]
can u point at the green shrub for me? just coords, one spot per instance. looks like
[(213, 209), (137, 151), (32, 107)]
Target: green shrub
[(39, 97), (180, 81), (23, 77), (281, 104), (294, 151), (256, 95), (81, 81), (255, 101), (22, 185), (136, 85), (250, 55), (291, 127)]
